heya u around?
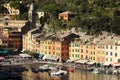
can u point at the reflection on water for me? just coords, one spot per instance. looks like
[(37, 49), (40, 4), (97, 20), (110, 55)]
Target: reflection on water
[(77, 75), (85, 75)]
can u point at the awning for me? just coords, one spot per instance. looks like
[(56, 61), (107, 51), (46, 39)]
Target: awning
[(2, 58), (40, 55), (116, 64), (70, 60), (106, 64), (4, 51), (50, 57), (54, 58), (24, 55), (44, 57), (81, 61), (90, 63)]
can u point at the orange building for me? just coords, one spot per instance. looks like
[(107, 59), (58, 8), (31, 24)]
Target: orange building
[(66, 15), (15, 40)]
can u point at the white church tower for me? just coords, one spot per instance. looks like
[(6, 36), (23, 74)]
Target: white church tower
[(32, 14)]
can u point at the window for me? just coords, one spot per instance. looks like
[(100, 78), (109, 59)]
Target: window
[(49, 47), (72, 55), (115, 54), (106, 53), (106, 47), (110, 59), (45, 47), (75, 50), (86, 51), (111, 53), (81, 56), (93, 58), (76, 55), (86, 46), (116, 47), (81, 50), (45, 52), (73, 45), (72, 50), (106, 59), (111, 47), (118, 60)]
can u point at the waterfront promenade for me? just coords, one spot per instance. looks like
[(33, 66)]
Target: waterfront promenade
[(16, 60)]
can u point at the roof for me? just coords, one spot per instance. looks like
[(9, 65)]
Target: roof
[(35, 30), (66, 12), (109, 40)]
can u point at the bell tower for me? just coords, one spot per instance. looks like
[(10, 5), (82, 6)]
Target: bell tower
[(32, 14)]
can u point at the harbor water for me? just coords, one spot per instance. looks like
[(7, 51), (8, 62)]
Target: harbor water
[(78, 74)]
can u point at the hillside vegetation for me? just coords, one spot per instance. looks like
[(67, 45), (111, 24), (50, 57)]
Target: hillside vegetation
[(92, 16)]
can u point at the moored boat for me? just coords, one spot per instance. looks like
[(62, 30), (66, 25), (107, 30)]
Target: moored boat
[(96, 71), (44, 68), (58, 73), (70, 70)]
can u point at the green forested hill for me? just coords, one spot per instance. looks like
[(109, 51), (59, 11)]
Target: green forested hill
[(93, 16)]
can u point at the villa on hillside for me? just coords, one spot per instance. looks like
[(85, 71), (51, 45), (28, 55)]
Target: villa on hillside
[(66, 15)]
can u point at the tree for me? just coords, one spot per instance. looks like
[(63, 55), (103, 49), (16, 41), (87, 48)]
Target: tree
[(15, 4), (3, 9), (115, 23)]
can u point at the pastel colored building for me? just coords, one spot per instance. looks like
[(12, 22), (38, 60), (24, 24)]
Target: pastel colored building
[(100, 54), (103, 50), (27, 39), (54, 48), (74, 50), (36, 42), (110, 49), (15, 40)]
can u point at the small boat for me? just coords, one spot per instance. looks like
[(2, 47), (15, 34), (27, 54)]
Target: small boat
[(96, 71), (44, 68), (14, 75), (58, 73), (115, 72), (70, 70)]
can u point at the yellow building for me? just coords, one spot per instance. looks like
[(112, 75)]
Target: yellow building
[(28, 41), (100, 56), (74, 52)]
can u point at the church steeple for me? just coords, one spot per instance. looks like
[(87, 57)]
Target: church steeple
[(32, 14)]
